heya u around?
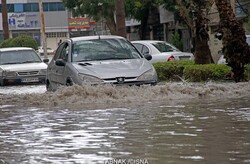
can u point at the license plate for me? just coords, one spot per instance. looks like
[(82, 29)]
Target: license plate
[(30, 80)]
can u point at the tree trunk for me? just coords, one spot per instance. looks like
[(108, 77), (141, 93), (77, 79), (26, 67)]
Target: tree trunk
[(235, 47), (120, 18), (144, 23), (202, 51), (5, 20)]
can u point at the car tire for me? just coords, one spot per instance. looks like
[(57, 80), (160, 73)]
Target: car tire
[(69, 82)]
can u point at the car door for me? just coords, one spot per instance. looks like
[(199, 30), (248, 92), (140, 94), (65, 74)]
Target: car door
[(61, 70), (56, 72)]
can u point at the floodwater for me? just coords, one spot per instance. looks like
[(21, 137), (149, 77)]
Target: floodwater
[(168, 123)]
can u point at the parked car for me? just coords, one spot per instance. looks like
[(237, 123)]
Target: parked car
[(99, 60), (21, 65), (50, 51), (161, 51)]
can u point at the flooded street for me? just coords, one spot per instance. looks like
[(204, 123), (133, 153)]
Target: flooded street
[(168, 123)]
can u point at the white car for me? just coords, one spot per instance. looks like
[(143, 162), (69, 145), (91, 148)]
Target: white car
[(21, 65), (104, 59), (161, 51), (50, 51)]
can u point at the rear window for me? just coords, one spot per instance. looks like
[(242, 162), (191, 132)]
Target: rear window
[(165, 47)]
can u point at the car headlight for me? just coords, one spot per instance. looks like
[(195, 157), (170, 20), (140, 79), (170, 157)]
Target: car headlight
[(43, 71), (149, 75), (9, 74), (87, 79)]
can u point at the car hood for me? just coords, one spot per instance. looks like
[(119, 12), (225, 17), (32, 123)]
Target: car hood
[(109, 69), (23, 67)]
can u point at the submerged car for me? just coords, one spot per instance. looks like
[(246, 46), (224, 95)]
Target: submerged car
[(161, 51), (99, 60), (21, 65)]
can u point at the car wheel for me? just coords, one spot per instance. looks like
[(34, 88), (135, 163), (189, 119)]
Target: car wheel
[(69, 82)]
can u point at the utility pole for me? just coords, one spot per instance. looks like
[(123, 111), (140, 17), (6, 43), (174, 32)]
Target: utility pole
[(5, 20), (44, 39), (120, 18)]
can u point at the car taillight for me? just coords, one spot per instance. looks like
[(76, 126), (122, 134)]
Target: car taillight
[(171, 58)]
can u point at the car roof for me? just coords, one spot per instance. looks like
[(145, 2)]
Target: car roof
[(147, 41), (15, 49), (96, 37)]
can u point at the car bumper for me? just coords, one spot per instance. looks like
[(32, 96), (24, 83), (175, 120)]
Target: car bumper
[(22, 80)]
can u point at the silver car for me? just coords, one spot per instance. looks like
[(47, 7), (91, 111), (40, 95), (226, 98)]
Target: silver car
[(99, 60), (21, 65), (161, 51)]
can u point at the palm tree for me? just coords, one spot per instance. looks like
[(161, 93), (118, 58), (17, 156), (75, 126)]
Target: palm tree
[(235, 47), (120, 18), (5, 20)]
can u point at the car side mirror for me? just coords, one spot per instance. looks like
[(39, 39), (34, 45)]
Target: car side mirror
[(60, 62), (148, 56)]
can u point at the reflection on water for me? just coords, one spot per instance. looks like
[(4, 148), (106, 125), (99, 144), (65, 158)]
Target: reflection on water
[(208, 127), (204, 132)]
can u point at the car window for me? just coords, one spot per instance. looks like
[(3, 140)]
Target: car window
[(103, 49), (142, 48), (62, 52), (138, 46), (145, 50), (19, 57), (165, 47)]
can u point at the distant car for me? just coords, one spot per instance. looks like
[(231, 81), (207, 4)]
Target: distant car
[(21, 65), (161, 51), (99, 60), (50, 51)]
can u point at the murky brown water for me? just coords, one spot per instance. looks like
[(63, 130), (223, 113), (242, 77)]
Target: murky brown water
[(149, 124)]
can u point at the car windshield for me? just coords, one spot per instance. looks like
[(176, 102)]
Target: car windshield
[(19, 57), (103, 49), (165, 47)]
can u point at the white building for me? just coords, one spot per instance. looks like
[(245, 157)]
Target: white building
[(24, 18)]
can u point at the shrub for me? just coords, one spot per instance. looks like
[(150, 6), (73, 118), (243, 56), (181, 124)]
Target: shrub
[(247, 71), (188, 70), (171, 70), (6, 43), (20, 41)]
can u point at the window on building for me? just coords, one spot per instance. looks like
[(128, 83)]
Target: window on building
[(31, 7), (10, 8), (18, 8), (45, 6), (53, 6)]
